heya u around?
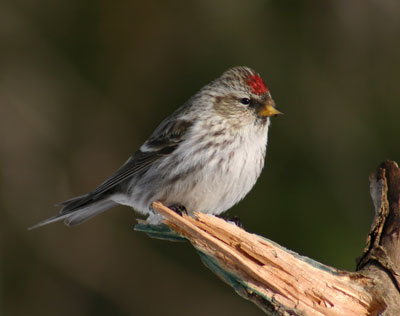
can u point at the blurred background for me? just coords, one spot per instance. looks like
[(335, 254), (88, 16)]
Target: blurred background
[(84, 83)]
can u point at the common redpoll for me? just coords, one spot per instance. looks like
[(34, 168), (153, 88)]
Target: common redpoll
[(205, 157)]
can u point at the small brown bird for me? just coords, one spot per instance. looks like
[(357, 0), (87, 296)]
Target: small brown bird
[(205, 157)]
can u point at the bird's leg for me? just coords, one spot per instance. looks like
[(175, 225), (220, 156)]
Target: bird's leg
[(178, 209), (236, 220)]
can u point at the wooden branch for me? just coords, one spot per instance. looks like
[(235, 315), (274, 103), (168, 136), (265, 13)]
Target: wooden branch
[(282, 282)]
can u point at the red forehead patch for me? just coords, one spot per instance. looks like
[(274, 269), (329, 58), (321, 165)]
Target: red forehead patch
[(257, 84)]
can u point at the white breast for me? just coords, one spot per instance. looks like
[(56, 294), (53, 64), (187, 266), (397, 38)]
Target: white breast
[(204, 174), (227, 173)]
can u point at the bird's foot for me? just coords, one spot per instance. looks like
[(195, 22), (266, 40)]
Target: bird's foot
[(235, 220), (178, 209)]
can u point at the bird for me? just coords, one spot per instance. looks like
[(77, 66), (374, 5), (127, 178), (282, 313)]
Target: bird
[(205, 157)]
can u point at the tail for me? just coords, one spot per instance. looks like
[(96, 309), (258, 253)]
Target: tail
[(78, 210)]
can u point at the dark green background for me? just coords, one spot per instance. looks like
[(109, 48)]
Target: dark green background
[(84, 83)]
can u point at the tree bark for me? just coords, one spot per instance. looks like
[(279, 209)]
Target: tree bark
[(282, 282)]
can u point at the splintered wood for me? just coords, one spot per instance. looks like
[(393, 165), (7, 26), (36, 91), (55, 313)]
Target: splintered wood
[(282, 277)]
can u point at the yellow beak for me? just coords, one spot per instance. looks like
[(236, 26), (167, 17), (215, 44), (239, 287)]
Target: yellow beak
[(269, 110)]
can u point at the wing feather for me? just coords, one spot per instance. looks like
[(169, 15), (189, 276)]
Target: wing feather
[(164, 141)]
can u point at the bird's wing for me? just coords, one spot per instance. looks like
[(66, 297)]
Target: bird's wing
[(164, 141)]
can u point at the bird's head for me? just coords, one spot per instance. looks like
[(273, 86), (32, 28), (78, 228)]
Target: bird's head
[(241, 95)]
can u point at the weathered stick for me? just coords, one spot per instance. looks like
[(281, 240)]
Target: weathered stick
[(282, 282)]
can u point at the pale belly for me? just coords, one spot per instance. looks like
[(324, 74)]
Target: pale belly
[(217, 189), (210, 182)]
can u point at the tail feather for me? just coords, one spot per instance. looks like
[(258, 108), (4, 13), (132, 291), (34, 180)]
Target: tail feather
[(48, 221), (75, 203), (79, 216), (78, 210)]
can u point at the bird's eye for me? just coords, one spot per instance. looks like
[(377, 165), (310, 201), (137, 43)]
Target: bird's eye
[(245, 101)]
